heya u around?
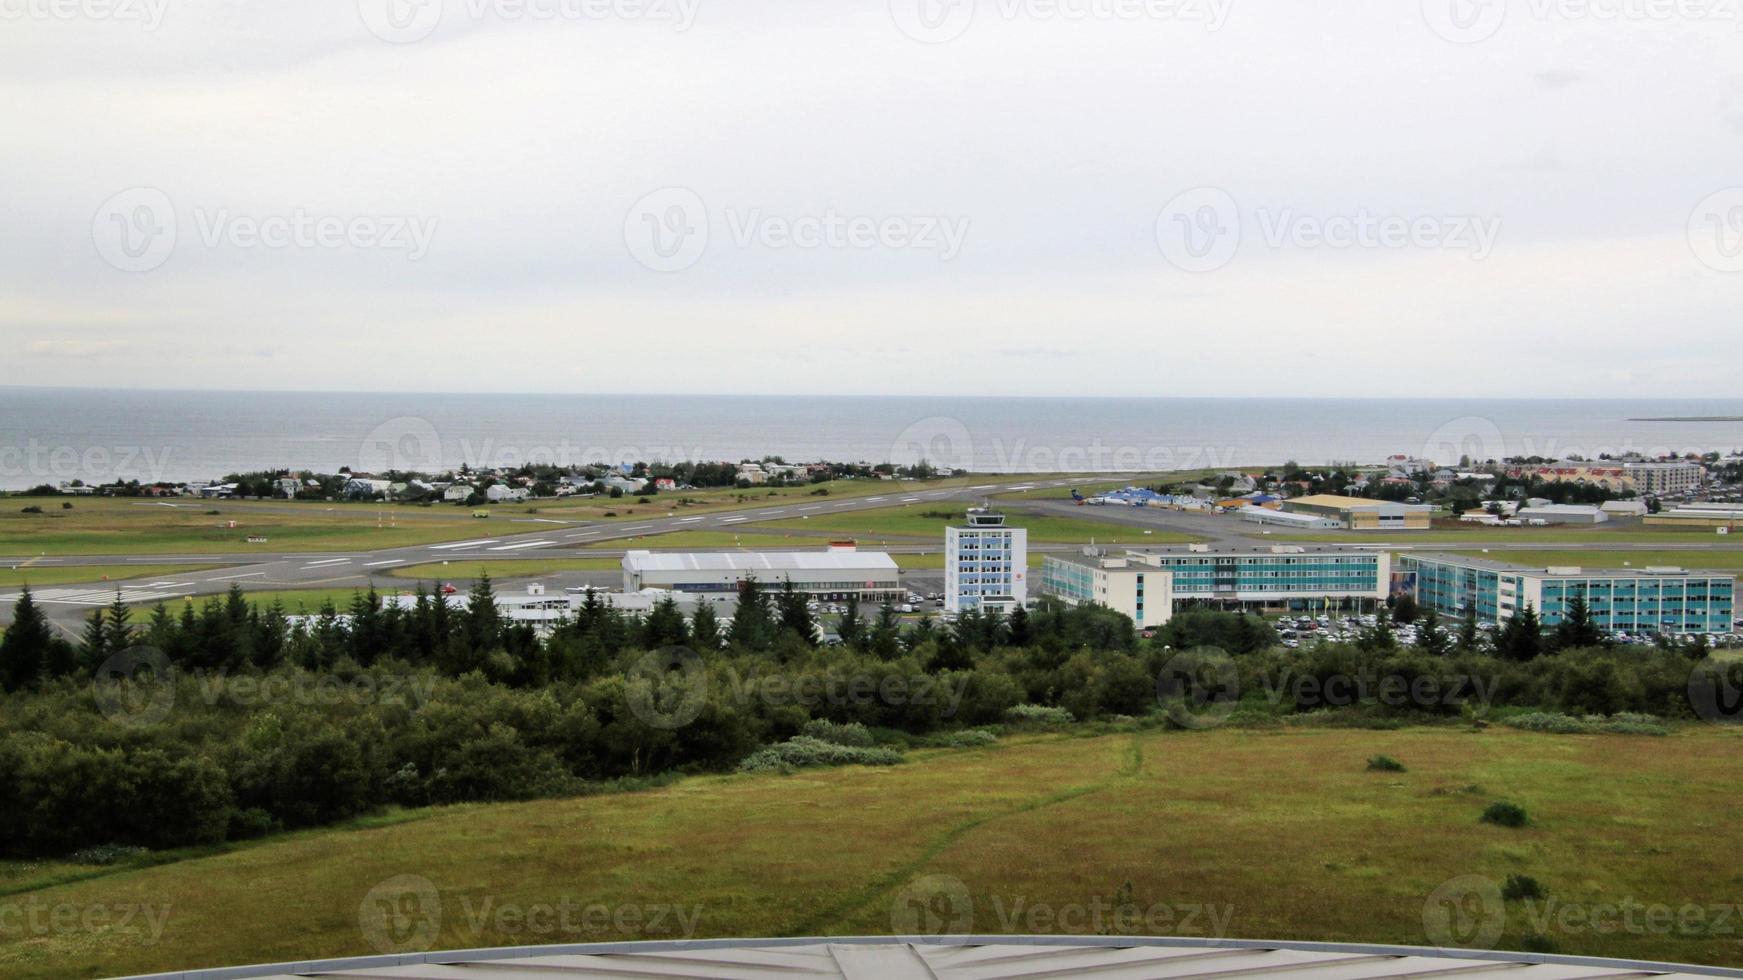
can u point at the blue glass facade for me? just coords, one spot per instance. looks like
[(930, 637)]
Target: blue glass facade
[(1633, 601)]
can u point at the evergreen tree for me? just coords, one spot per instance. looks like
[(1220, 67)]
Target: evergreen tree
[(1470, 638), (1405, 609), (664, 626), (705, 628), (886, 633), (753, 628), (796, 613), (483, 622), (24, 650), (1577, 630), (1522, 637), (851, 628), (1431, 636), (94, 645), (119, 634), (1022, 634)]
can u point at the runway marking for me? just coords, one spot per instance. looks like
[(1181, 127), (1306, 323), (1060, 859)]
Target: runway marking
[(771, 513), (518, 547), (99, 597), (328, 561), (584, 534), (984, 486), (390, 561), (873, 500), (222, 578), (638, 527), (909, 500), (686, 520), (812, 507), (735, 520), (463, 544)]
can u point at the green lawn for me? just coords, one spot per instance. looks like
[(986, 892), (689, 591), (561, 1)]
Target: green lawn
[(102, 526), (44, 575), (1726, 561), (920, 521), (1477, 534), (1278, 834)]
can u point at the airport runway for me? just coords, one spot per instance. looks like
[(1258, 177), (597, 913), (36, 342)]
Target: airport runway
[(68, 605)]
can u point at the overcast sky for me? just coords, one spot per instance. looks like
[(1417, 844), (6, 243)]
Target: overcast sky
[(995, 197)]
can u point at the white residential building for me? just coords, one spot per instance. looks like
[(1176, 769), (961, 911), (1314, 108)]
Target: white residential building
[(986, 564)]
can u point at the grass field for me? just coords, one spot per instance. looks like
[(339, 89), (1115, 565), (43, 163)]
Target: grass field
[(917, 521), (102, 526), (43, 575), (1478, 535), (1724, 561), (1279, 834)]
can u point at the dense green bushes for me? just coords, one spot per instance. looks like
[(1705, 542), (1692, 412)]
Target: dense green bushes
[(268, 728)]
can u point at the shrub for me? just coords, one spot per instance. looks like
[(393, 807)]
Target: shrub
[(1385, 763), (1521, 887), (973, 738), (1504, 814), (1038, 714), (1624, 723), (66, 505), (803, 752), (104, 854), (33, 509), (852, 734)]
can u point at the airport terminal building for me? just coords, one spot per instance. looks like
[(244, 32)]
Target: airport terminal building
[(841, 572), (1621, 600)]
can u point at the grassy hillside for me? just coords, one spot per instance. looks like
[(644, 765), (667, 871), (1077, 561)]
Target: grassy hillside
[(1279, 834)]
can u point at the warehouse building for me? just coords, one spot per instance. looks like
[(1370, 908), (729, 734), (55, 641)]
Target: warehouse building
[(1621, 600), (1363, 514), (841, 572), (1284, 518), (1562, 514), (1722, 516)]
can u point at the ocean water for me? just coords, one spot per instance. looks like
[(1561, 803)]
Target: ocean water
[(52, 435)]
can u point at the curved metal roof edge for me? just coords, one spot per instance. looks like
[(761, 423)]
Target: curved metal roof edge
[(510, 952)]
